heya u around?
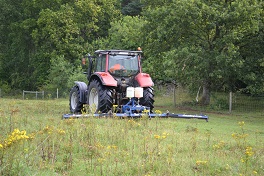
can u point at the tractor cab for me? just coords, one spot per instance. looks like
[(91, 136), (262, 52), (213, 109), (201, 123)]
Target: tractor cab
[(119, 63), (123, 66)]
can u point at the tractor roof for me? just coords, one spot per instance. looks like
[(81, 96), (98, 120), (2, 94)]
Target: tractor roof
[(119, 52)]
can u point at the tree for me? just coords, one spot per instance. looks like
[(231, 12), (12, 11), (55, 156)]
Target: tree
[(15, 44), (252, 51), (70, 30), (33, 33), (131, 7), (109, 11), (60, 71), (123, 34), (19, 63), (199, 41)]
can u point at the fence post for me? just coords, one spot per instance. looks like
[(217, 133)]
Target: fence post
[(23, 94), (230, 102), (57, 93), (174, 95)]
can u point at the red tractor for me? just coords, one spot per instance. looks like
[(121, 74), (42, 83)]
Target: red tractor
[(110, 74)]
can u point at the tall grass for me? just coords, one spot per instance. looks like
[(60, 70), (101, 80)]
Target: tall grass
[(35, 140)]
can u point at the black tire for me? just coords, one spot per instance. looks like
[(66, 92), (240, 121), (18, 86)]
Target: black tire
[(99, 97), (148, 98), (75, 104)]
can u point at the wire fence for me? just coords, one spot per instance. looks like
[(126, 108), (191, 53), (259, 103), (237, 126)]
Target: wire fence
[(175, 96), (219, 101), (35, 94)]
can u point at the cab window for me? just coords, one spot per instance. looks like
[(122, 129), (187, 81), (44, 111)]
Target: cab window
[(100, 65)]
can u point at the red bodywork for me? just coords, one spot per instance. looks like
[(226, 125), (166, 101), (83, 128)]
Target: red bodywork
[(144, 80), (107, 79)]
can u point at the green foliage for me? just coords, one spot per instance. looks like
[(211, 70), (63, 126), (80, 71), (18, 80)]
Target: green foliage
[(131, 7), (124, 34), (76, 75), (4, 88), (214, 44), (59, 74), (34, 32), (109, 11), (199, 42), (62, 32), (62, 75)]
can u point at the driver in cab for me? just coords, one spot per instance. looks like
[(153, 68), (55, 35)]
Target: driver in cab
[(116, 67)]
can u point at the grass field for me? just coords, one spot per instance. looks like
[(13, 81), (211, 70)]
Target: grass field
[(34, 140)]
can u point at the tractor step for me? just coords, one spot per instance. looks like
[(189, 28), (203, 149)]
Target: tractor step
[(137, 115)]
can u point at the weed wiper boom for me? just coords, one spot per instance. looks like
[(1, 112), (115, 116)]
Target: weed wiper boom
[(138, 115)]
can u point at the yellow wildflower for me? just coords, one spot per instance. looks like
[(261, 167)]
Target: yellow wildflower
[(165, 134), (156, 136), (145, 111), (242, 160), (61, 131), (100, 160), (234, 135), (158, 112), (241, 124), (249, 151), (200, 162), (227, 167), (114, 147), (15, 136)]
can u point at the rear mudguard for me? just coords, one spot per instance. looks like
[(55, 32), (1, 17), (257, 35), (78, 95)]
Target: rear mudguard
[(83, 89), (144, 80), (106, 78)]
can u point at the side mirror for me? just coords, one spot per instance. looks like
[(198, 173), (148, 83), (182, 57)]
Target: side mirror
[(83, 61)]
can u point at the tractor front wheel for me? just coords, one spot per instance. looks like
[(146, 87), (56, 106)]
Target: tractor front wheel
[(99, 97), (75, 104)]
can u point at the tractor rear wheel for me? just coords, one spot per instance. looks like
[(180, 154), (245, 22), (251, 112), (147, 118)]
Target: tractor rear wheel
[(75, 104), (99, 97), (148, 98)]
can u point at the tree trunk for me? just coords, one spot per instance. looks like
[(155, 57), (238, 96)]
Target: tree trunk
[(205, 100)]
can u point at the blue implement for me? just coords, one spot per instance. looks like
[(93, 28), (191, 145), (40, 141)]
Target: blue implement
[(138, 115), (134, 110)]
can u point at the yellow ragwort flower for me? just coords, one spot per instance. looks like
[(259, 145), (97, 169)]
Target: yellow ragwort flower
[(156, 136), (158, 112), (242, 160), (61, 131), (249, 151), (241, 124), (100, 160), (15, 136), (201, 162), (163, 136), (145, 111)]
